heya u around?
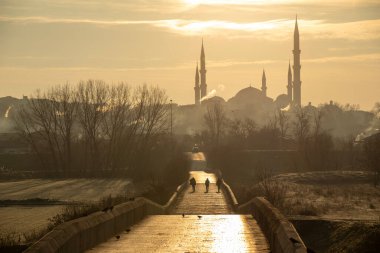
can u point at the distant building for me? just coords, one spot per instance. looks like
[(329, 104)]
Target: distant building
[(252, 96), (296, 68)]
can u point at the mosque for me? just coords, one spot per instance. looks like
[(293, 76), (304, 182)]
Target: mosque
[(249, 102), (252, 98)]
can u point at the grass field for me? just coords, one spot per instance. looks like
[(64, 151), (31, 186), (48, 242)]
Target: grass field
[(332, 195), (65, 190), (26, 218)]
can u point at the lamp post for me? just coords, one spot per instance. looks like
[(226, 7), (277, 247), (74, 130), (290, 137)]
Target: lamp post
[(171, 119)]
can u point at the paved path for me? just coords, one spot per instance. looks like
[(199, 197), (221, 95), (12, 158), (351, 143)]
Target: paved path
[(200, 202), (197, 231), (173, 233)]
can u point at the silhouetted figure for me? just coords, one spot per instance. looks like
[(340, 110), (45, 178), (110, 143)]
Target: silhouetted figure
[(207, 183), (193, 183), (118, 237), (183, 215), (219, 183)]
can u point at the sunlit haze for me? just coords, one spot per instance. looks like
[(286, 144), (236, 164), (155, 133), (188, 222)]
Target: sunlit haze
[(43, 43)]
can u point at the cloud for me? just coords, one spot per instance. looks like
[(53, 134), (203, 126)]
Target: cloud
[(369, 58), (350, 58), (221, 87), (183, 65), (50, 20), (276, 30), (271, 2), (211, 94)]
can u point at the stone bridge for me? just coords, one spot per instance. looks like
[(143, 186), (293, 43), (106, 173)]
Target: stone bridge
[(191, 222)]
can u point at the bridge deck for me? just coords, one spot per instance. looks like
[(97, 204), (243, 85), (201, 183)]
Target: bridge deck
[(200, 202), (173, 233), (197, 231)]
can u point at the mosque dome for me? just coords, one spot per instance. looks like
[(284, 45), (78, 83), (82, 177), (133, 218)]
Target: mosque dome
[(249, 92), (213, 100), (250, 95), (282, 101)]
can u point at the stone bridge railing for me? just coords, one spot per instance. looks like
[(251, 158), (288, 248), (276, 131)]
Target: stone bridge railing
[(280, 233), (84, 233)]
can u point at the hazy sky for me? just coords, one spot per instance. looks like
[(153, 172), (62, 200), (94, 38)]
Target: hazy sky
[(47, 42)]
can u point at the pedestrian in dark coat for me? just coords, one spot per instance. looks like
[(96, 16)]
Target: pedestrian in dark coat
[(193, 183), (207, 183)]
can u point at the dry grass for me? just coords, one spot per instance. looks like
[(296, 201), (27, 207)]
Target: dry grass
[(355, 237), (342, 197), (330, 195), (13, 240)]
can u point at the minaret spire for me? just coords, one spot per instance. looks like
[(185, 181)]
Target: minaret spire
[(264, 84), (202, 72), (196, 87), (290, 86), (296, 67)]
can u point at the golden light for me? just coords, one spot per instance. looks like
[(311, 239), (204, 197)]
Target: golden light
[(231, 2), (229, 233)]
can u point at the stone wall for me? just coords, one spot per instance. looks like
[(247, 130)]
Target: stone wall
[(280, 233), (84, 233), (230, 196)]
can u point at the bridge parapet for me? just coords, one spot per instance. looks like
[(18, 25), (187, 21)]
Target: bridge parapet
[(280, 233), (84, 233), (231, 196)]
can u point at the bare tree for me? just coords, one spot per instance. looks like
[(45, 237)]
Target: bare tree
[(152, 115), (301, 128), (92, 97), (27, 128), (317, 120), (115, 127), (116, 123), (283, 125), (46, 121), (64, 102), (301, 131), (215, 119), (372, 155)]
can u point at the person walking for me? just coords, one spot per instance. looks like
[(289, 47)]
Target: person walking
[(219, 183), (207, 183), (193, 183)]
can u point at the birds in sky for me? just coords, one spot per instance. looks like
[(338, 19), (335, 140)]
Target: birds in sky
[(199, 216)]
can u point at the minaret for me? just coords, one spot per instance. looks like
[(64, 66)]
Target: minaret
[(197, 88), (264, 84), (296, 67), (202, 72), (290, 86)]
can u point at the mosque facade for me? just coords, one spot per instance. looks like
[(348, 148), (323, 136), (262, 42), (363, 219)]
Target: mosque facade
[(253, 96)]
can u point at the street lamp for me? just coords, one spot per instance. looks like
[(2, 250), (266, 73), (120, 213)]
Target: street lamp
[(171, 119)]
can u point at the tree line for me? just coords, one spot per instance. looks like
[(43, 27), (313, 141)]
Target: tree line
[(304, 130), (94, 127)]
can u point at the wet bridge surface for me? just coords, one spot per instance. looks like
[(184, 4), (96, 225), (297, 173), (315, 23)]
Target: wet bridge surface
[(200, 222)]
